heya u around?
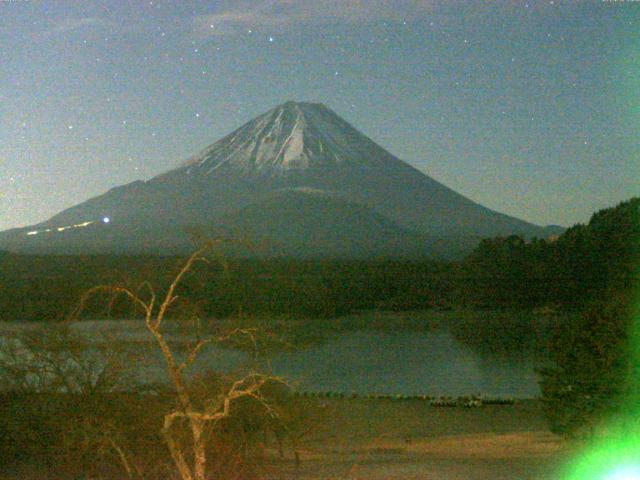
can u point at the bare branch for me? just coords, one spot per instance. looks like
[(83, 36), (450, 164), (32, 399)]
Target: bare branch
[(174, 449), (112, 290), (169, 298), (194, 353), (121, 456), (185, 416)]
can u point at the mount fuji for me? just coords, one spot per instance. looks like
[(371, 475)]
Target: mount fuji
[(297, 180)]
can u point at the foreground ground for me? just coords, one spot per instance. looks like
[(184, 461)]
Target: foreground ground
[(357, 438), (409, 439), (374, 439)]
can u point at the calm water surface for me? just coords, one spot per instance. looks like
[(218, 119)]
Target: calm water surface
[(364, 362)]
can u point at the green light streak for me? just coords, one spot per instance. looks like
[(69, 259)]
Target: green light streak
[(615, 453)]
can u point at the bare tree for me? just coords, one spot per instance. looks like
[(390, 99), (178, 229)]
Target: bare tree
[(56, 359), (54, 365), (189, 414)]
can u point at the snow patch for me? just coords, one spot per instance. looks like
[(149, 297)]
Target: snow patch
[(292, 136)]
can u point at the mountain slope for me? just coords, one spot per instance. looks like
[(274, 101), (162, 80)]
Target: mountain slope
[(295, 146), (305, 223)]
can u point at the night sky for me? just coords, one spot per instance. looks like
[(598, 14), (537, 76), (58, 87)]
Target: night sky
[(529, 108)]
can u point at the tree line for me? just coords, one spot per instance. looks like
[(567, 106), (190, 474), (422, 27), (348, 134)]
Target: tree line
[(569, 272), (584, 264)]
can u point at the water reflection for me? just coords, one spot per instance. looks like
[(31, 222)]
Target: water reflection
[(362, 362)]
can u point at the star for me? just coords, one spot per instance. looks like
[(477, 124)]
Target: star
[(271, 39)]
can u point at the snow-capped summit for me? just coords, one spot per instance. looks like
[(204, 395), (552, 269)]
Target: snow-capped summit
[(298, 175), (291, 136)]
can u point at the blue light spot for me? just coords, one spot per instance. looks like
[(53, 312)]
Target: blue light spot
[(106, 220)]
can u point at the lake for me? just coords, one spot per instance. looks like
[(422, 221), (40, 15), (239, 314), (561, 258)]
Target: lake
[(362, 362)]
